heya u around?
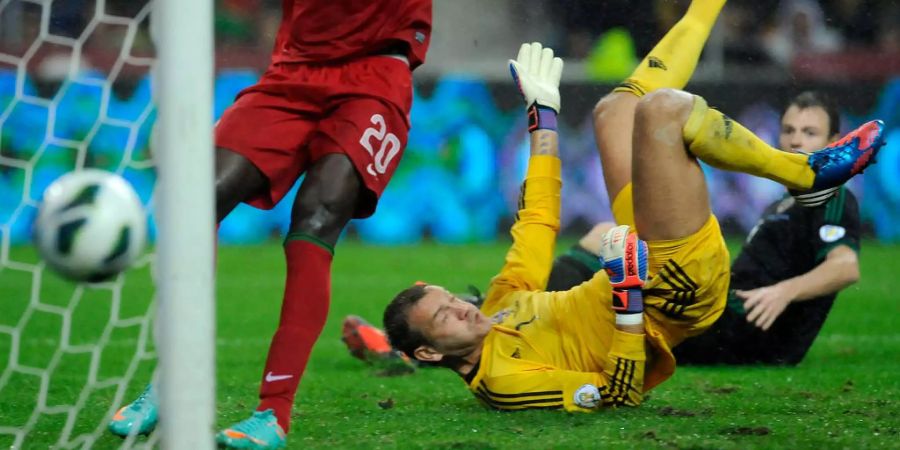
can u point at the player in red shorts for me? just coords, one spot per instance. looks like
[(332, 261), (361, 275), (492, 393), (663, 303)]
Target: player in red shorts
[(334, 104)]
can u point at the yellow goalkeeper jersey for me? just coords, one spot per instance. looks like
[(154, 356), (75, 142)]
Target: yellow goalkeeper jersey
[(557, 350)]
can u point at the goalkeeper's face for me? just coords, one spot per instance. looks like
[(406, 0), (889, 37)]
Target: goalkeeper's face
[(452, 326)]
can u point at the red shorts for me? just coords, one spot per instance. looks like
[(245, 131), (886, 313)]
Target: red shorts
[(298, 112)]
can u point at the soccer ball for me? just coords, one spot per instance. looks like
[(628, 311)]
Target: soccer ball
[(90, 225)]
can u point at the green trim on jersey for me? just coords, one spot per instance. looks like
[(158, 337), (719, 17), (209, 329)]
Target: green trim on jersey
[(590, 260), (735, 303), (823, 252), (309, 238), (834, 213), (834, 209)]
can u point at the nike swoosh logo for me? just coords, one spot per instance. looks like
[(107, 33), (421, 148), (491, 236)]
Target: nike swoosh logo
[(270, 378)]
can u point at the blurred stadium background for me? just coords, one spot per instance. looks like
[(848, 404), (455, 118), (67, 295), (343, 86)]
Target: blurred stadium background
[(460, 175)]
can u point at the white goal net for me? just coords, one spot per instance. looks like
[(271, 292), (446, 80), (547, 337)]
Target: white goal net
[(75, 92)]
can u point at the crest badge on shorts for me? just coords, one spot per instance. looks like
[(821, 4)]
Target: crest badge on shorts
[(587, 396), (831, 233)]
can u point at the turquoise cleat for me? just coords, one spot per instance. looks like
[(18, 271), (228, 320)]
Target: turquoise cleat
[(137, 417), (260, 432)]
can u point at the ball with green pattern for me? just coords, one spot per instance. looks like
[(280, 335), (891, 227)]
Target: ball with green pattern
[(91, 225)]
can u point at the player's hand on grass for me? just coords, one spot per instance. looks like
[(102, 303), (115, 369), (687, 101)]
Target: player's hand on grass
[(625, 261), (537, 72), (765, 304)]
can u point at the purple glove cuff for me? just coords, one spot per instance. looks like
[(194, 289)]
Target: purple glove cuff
[(628, 301), (541, 118)]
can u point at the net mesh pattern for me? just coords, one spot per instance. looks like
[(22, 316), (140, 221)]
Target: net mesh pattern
[(75, 92)]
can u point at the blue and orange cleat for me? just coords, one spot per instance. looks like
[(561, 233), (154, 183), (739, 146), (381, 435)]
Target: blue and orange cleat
[(841, 161), (368, 343), (260, 432), (137, 417)]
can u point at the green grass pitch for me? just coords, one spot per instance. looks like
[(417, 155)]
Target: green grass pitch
[(844, 395)]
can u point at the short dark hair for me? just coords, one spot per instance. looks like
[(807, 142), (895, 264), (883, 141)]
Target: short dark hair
[(816, 99), (396, 321)]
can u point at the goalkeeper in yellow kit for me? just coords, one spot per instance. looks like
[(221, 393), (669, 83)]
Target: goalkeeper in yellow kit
[(526, 348), (608, 340)]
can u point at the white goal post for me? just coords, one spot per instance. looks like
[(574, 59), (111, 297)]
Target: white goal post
[(184, 156), (70, 355)]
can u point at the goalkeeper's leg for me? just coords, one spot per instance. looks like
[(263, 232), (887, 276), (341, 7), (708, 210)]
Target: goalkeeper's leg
[(670, 64), (674, 128), (670, 194), (722, 142)]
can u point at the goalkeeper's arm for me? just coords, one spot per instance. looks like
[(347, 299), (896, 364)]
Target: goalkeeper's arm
[(536, 72), (625, 372), (625, 261)]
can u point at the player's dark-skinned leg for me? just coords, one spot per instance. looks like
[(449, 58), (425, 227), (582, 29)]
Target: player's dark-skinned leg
[(325, 203), (237, 179)]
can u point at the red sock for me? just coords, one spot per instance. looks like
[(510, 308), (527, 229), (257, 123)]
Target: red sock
[(307, 294)]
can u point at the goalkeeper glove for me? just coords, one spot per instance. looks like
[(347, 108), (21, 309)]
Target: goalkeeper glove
[(537, 72), (625, 261)]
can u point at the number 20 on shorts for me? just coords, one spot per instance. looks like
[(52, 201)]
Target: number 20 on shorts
[(387, 151)]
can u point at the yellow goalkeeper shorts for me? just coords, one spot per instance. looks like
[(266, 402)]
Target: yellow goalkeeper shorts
[(687, 280)]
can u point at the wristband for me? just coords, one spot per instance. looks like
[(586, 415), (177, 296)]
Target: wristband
[(541, 118), (628, 301), (629, 319)]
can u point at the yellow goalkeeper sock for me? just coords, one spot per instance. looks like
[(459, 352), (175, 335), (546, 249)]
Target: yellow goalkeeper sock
[(672, 61), (721, 142)]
